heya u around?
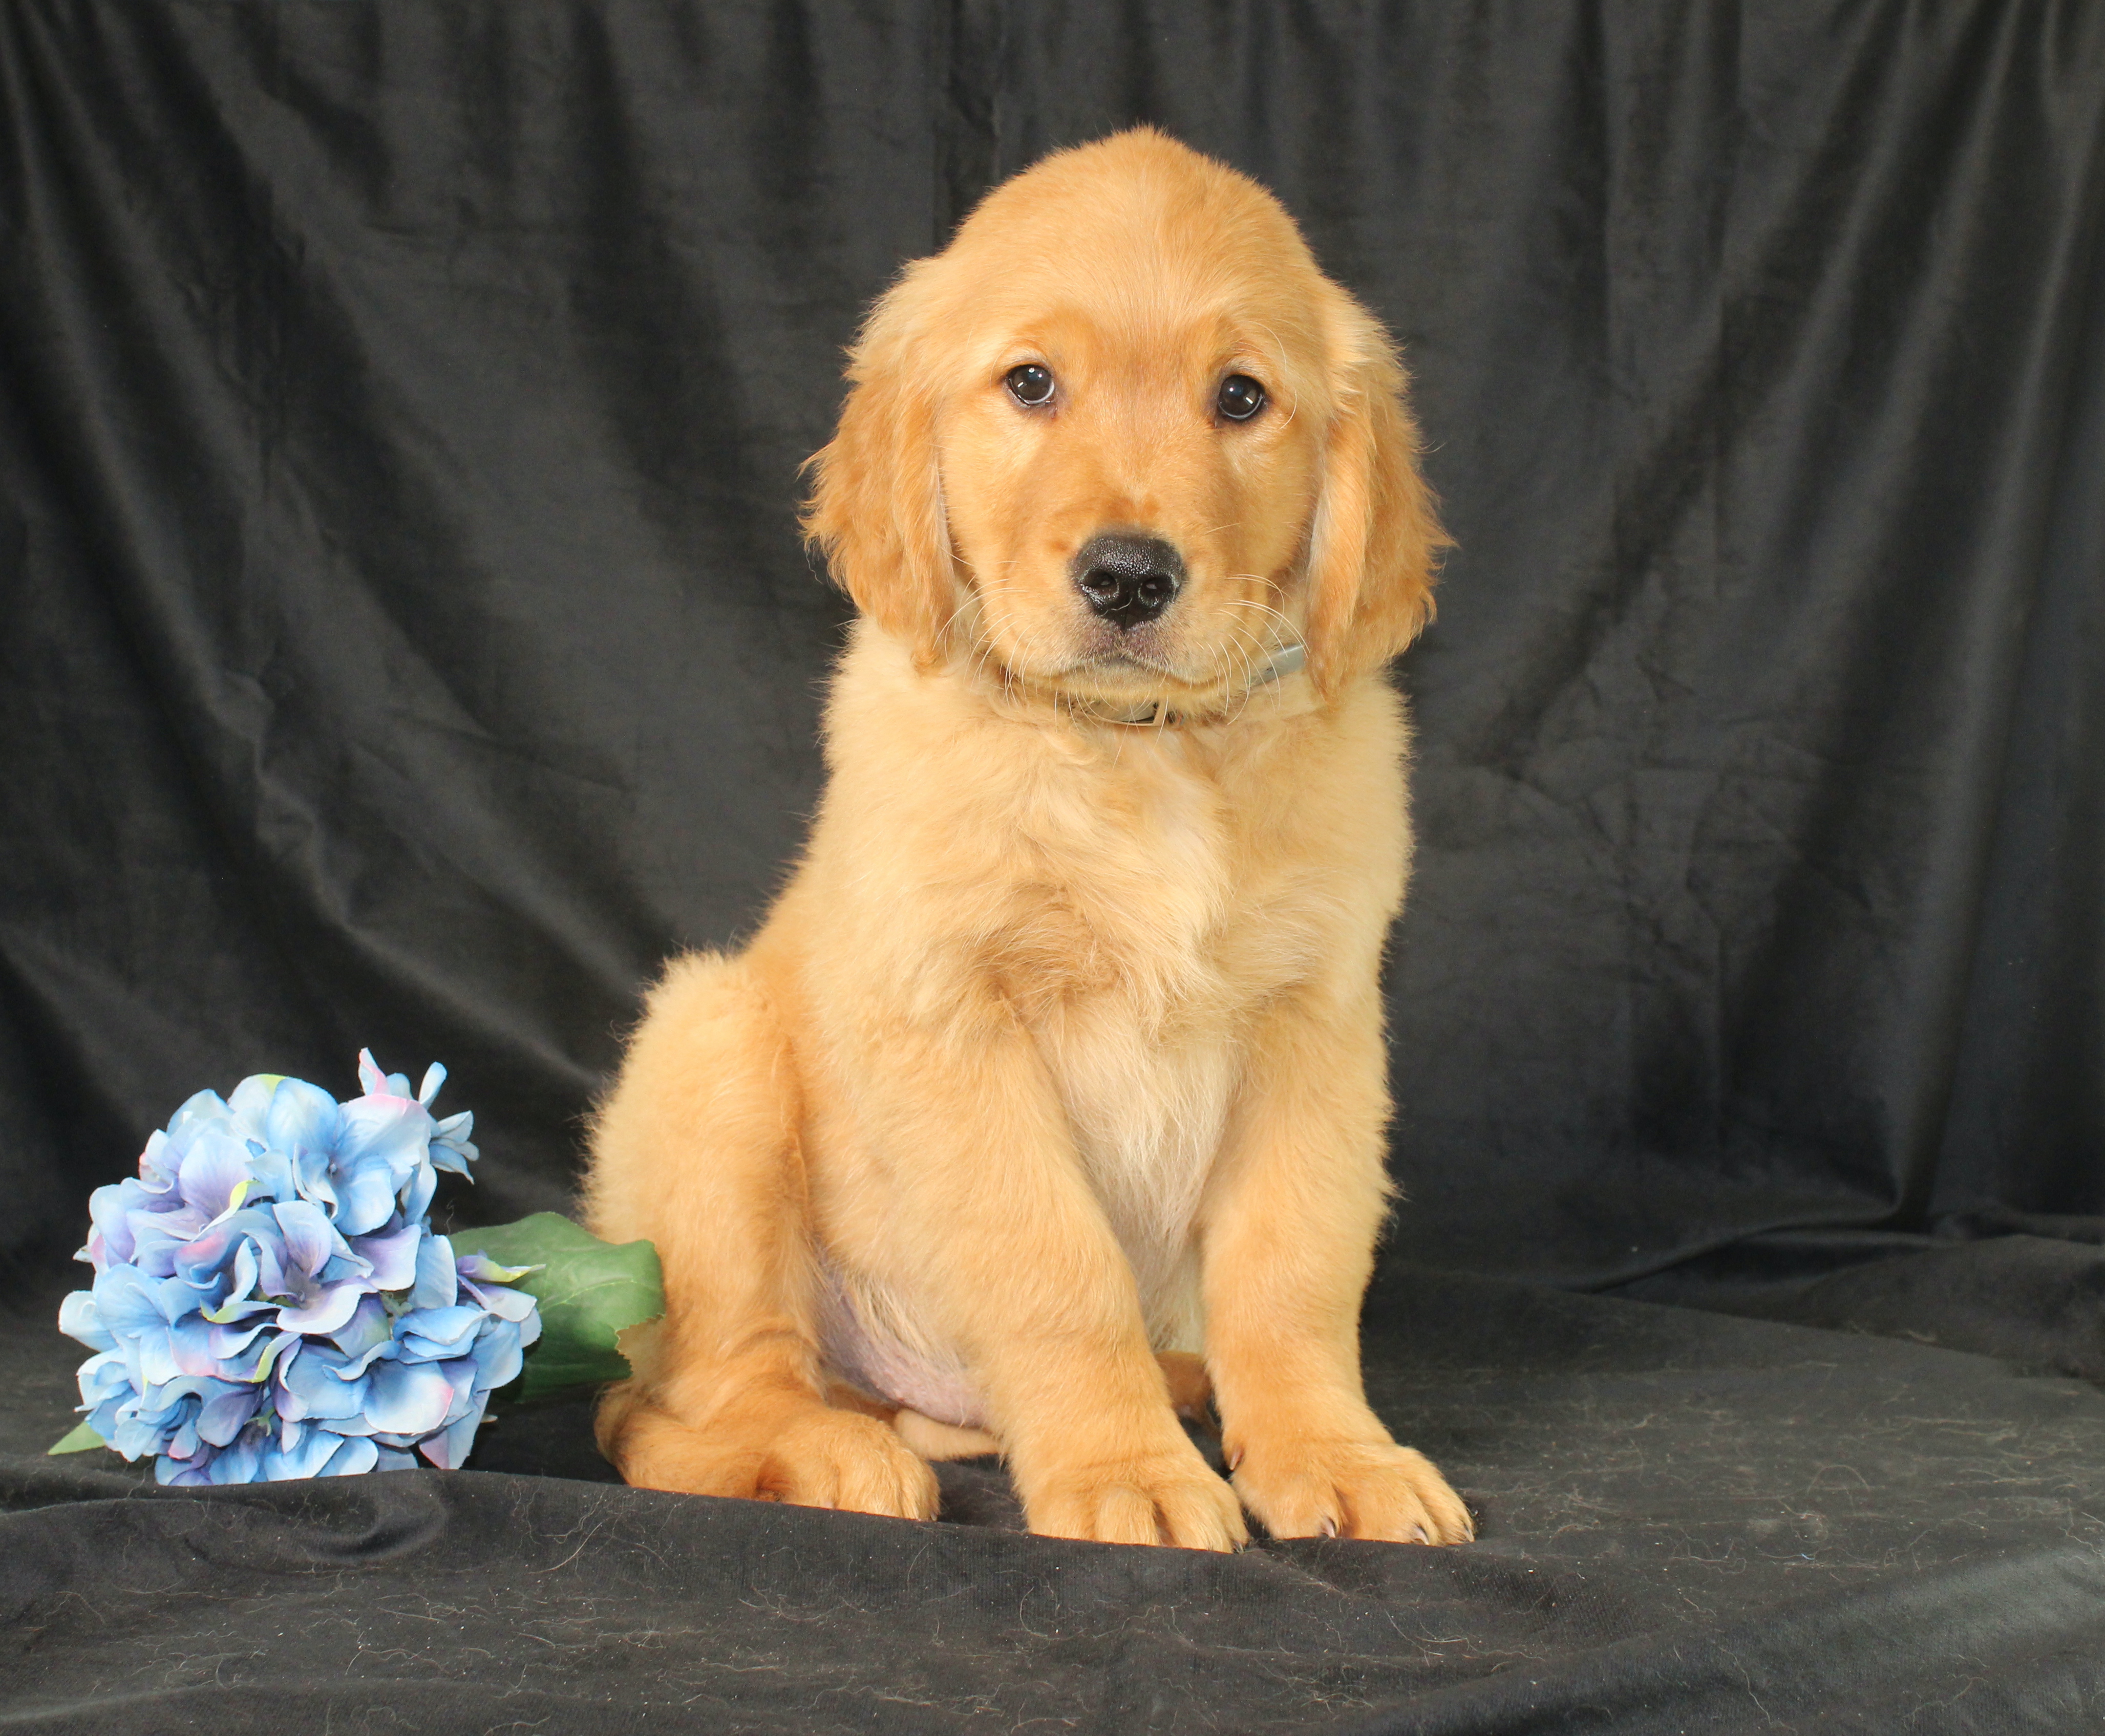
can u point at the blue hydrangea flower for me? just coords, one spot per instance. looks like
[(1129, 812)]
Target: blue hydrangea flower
[(269, 1300)]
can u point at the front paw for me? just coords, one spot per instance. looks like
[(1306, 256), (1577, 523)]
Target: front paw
[(1302, 1488), (805, 1455), (1170, 1497)]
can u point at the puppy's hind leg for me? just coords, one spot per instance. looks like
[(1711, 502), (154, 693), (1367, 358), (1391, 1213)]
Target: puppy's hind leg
[(697, 1149)]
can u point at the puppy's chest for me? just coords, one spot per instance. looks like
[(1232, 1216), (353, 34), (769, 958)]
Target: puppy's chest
[(1149, 929), (1146, 905)]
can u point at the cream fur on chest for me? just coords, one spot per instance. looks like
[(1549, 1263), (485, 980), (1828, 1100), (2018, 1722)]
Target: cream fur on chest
[(1135, 931), (1145, 1059)]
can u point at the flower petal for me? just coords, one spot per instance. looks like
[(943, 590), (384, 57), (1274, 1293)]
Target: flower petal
[(127, 1302), (417, 1196), (312, 1179), (231, 1338), (324, 1312), (484, 1269), (79, 1319), (437, 1286), (310, 1388), (241, 1298), (448, 1449), (353, 1458), (451, 1328), (310, 1240), (159, 1238), (505, 1303), (159, 1162), (366, 1196), (204, 1109), (301, 1117), (392, 1254), (273, 1176), (216, 1164), (367, 1328), (393, 1129), (110, 1210), (306, 1451), (104, 1376), (250, 1357), (407, 1398), (451, 1147), (223, 1415), (497, 1357), (210, 1259), (190, 1345), (239, 1462)]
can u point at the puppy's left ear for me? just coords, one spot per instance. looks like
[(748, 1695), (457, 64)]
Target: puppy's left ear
[(1376, 538), (876, 509)]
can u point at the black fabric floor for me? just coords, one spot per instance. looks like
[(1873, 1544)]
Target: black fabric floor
[(1690, 1521)]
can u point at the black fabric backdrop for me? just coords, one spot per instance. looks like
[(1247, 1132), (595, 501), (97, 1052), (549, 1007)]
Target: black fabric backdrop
[(408, 644)]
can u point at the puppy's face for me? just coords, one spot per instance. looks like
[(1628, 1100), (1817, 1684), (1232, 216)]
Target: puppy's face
[(1130, 467), (1123, 439)]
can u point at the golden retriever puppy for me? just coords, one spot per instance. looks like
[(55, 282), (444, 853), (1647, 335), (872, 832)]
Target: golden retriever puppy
[(1063, 1047)]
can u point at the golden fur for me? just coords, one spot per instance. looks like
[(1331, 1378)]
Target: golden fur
[(1063, 1048)]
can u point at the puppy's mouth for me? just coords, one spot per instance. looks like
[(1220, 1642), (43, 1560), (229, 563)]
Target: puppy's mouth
[(1130, 670), (1126, 660)]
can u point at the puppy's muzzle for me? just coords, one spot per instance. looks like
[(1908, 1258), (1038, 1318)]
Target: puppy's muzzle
[(1127, 580)]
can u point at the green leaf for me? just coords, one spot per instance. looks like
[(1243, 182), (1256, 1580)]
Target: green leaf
[(588, 1291), (81, 1439)]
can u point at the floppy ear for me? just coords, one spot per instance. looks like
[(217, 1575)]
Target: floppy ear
[(1377, 534), (876, 509)]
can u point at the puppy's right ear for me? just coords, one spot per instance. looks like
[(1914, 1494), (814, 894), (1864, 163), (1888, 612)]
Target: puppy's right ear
[(876, 509)]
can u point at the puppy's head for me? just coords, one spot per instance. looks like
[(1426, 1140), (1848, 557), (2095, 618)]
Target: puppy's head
[(1123, 439)]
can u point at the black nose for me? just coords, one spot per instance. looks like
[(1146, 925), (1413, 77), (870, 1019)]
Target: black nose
[(1129, 580)]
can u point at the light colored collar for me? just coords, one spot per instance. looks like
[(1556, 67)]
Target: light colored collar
[(1156, 713)]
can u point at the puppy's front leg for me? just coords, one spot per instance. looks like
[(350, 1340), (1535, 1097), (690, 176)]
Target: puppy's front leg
[(697, 1148), (1002, 1237), (1288, 1231)]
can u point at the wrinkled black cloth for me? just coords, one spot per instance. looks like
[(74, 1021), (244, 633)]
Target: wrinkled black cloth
[(408, 643), (2026, 1289), (1689, 1523)]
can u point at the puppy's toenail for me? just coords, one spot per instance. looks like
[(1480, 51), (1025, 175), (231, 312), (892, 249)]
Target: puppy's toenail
[(1419, 1532), (1330, 1526)]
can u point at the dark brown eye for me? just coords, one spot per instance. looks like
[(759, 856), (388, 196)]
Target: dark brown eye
[(1030, 385), (1240, 398)]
